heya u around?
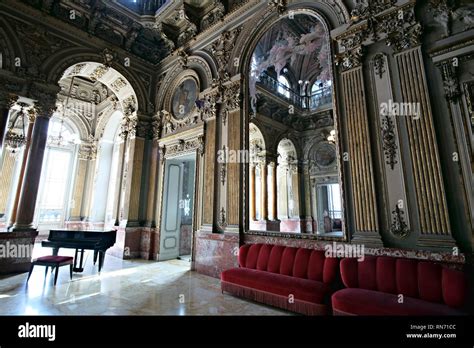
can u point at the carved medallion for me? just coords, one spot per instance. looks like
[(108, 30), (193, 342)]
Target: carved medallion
[(325, 155)]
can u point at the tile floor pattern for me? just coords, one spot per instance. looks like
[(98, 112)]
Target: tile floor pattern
[(124, 287)]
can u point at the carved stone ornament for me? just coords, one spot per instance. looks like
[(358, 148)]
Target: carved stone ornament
[(366, 9), (156, 127), (88, 150), (183, 146), (399, 227), (379, 64), (208, 109), (201, 146), (222, 48), (447, 12), (278, 5), (169, 44), (452, 89), (128, 128), (7, 100), (350, 59), (45, 104), (214, 16), (223, 170), (222, 218), (396, 24), (389, 141)]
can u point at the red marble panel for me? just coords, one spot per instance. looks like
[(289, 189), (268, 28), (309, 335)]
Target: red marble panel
[(215, 252)]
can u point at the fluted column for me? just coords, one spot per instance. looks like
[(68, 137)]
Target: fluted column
[(273, 169), (29, 132), (153, 178), (253, 205), (29, 191), (263, 191), (122, 149)]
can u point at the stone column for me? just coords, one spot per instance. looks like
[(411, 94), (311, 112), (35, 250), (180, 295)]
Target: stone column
[(273, 170), (253, 206), (153, 177), (263, 191), (29, 132), (122, 150), (29, 192)]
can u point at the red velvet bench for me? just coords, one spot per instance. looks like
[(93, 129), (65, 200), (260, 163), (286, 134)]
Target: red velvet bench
[(54, 262), (374, 286), (294, 279)]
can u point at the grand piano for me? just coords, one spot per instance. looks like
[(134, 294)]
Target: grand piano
[(97, 240)]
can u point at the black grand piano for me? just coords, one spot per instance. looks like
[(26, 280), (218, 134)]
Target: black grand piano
[(97, 240)]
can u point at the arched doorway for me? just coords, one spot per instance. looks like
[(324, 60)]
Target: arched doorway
[(98, 105)]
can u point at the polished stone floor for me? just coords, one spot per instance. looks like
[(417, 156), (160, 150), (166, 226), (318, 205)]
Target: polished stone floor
[(124, 287)]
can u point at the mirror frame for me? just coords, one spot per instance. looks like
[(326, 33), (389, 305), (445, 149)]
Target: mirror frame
[(245, 114)]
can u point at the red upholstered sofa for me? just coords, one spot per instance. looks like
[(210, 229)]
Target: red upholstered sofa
[(373, 287), (294, 279)]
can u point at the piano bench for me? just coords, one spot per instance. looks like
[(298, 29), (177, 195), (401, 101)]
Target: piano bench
[(53, 262)]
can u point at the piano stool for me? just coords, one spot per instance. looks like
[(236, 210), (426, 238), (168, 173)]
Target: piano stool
[(52, 261)]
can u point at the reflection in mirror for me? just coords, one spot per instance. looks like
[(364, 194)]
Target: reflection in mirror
[(293, 174)]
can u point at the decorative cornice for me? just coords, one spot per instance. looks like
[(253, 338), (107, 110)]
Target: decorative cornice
[(382, 20), (183, 146)]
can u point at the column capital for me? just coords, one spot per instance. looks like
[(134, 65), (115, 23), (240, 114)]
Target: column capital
[(45, 104), (7, 99)]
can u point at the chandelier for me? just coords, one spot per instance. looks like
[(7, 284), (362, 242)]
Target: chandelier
[(14, 141), (60, 140)]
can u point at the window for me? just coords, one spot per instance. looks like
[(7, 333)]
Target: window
[(283, 86), (56, 177)]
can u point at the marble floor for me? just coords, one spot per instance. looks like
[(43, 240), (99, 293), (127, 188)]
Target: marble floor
[(124, 287)]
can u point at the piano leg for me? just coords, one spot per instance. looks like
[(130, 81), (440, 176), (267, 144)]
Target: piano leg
[(80, 268), (95, 256), (101, 259), (55, 251)]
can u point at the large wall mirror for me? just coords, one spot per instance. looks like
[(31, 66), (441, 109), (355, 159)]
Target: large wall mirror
[(294, 172)]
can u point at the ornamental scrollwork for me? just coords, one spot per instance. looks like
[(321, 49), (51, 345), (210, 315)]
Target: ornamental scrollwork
[(399, 227), (389, 141)]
